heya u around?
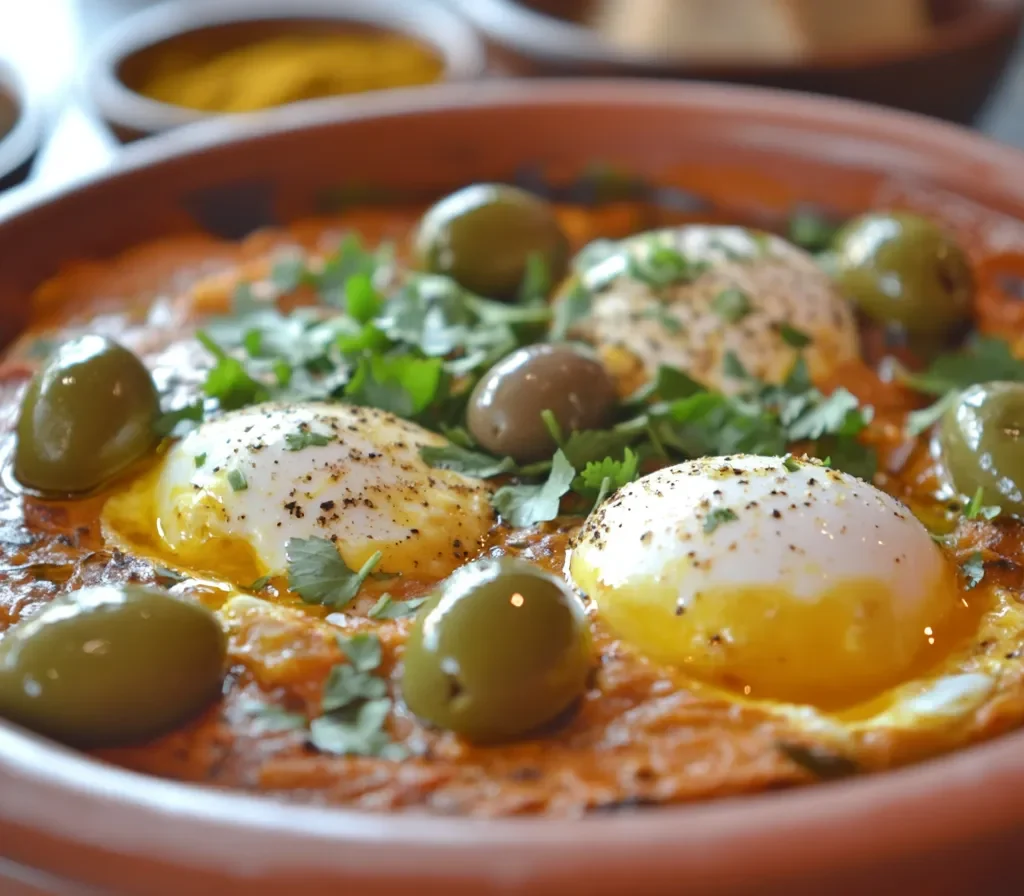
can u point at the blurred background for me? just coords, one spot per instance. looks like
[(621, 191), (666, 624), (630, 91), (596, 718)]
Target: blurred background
[(79, 78)]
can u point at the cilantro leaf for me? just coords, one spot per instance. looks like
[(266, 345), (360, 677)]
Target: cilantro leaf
[(362, 301), (402, 384), (973, 569), (345, 685), (810, 230), (976, 508), (169, 422), (389, 608), (569, 310), (360, 733), (668, 384), (260, 583), (269, 717), (924, 419), (536, 279), (199, 460), (306, 438), (228, 381), (659, 266), (318, 575), (793, 337), (716, 517), (524, 505), (363, 651), (983, 359), (289, 272), (600, 478), (732, 305), (838, 414), (733, 367), (464, 460)]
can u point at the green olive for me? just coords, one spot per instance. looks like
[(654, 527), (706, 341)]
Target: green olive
[(483, 236), (982, 441), (111, 665), (86, 416), (902, 269), (502, 648), (504, 412)]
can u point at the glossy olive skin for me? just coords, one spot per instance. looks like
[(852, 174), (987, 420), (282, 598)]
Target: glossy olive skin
[(500, 649), (111, 665), (483, 235), (504, 408), (982, 441), (905, 270), (86, 416)]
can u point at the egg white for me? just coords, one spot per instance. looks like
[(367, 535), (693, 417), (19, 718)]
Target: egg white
[(226, 499)]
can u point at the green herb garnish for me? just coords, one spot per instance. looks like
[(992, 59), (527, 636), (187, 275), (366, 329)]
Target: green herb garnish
[(811, 231), (793, 337), (389, 608), (973, 569), (318, 575), (466, 461), (524, 505), (199, 460), (237, 480), (716, 517), (732, 304), (976, 508), (306, 438)]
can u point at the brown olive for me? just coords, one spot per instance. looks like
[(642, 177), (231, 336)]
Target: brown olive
[(483, 237), (505, 408)]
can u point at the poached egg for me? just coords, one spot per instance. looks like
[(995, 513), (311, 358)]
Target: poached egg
[(226, 499), (778, 578)]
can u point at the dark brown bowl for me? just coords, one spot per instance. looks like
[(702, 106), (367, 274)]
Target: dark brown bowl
[(949, 74), (949, 826), (124, 54)]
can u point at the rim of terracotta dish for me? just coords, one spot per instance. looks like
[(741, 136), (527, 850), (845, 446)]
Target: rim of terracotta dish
[(235, 832), (427, 21), (534, 33), (22, 140)]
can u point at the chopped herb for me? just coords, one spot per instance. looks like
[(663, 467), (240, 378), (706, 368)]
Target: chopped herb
[(925, 418), (975, 508), (819, 761), (362, 301), (463, 460), (600, 478), (791, 463), (661, 314), (169, 423), (318, 575), (199, 460), (359, 732), (524, 505), (733, 367), (252, 342), (811, 231), (983, 359), (732, 304), (536, 280), (269, 717), (363, 651), (661, 266), (389, 608), (793, 337), (355, 704), (237, 480), (305, 438), (260, 583), (569, 310), (973, 569), (288, 273), (402, 384), (716, 517), (838, 414), (228, 381)]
